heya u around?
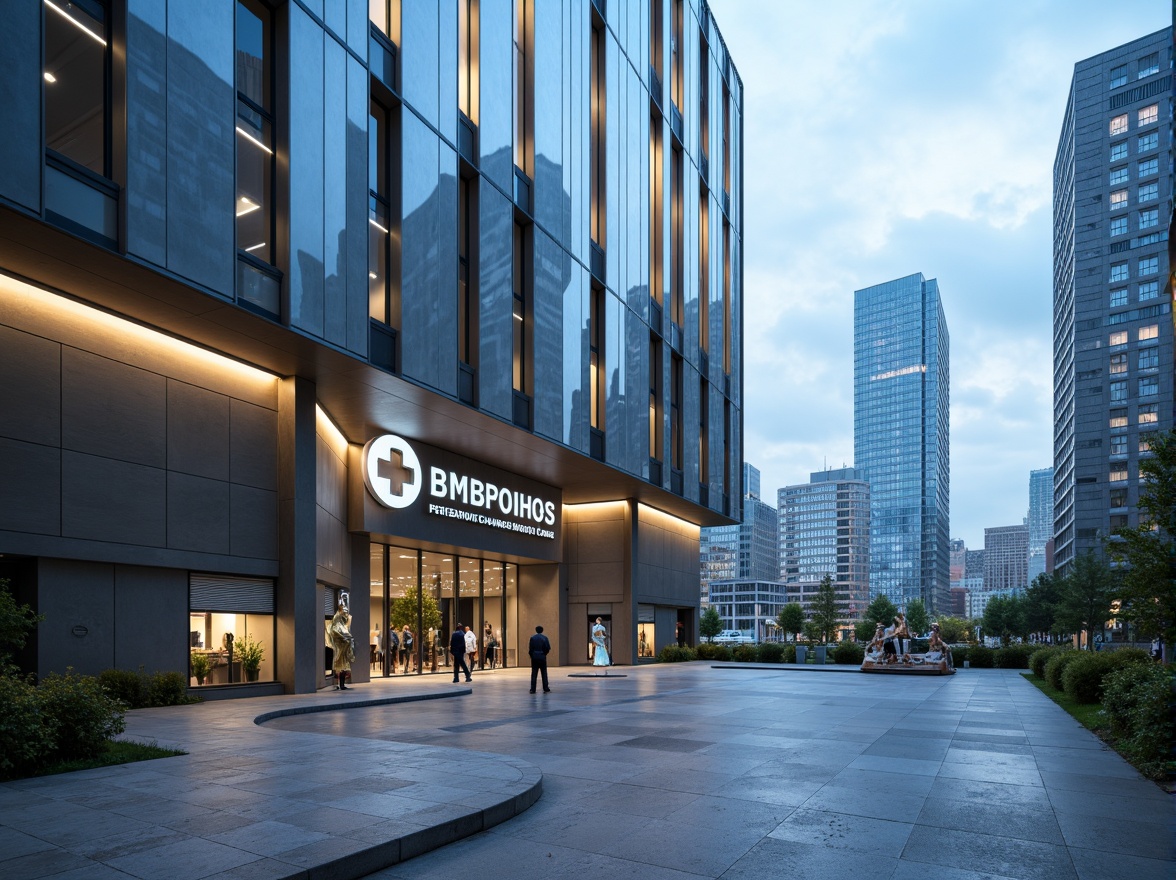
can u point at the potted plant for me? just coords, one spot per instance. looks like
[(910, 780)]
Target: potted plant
[(200, 667), (250, 653)]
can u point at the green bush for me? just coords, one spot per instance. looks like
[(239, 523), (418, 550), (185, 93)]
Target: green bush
[(1082, 679), (711, 651), (960, 654), (675, 654), (979, 657), (1126, 656), (1137, 702), (1056, 666), (849, 653), (745, 653), (81, 715), (1013, 656), (137, 690), (129, 688), (168, 689), (24, 741), (1040, 657), (770, 652), (789, 655)]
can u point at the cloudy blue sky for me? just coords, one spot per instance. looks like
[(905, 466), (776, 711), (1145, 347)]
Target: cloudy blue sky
[(884, 139)]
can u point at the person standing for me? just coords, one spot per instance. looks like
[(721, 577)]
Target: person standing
[(457, 649), (343, 644), (600, 654), (406, 656), (539, 647), (471, 648)]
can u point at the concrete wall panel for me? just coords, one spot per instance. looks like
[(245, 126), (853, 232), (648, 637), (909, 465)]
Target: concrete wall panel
[(30, 488), (196, 518), (111, 409), (77, 599), (107, 500), (30, 387), (149, 602), (197, 431)]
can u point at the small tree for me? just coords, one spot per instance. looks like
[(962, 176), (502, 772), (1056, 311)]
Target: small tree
[(710, 624), (824, 611), (404, 611), (1087, 592), (1041, 602), (1004, 616), (916, 616), (880, 610), (791, 619), (953, 630)]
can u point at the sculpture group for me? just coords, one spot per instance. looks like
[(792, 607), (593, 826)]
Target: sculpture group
[(886, 653)]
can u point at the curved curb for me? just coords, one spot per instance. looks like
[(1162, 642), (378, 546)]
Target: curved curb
[(355, 704)]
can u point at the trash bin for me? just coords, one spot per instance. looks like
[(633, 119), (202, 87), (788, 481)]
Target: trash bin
[(820, 652), (801, 654)]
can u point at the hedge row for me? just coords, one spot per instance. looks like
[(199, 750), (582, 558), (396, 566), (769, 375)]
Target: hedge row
[(138, 690), (846, 652)]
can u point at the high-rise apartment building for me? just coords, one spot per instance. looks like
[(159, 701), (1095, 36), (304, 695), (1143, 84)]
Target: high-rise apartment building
[(957, 554), (746, 551), (1041, 506), (1006, 558), (431, 309), (825, 530), (900, 436), (1112, 313)]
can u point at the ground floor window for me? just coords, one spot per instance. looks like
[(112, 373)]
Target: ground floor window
[(646, 645), (231, 629), (416, 599)]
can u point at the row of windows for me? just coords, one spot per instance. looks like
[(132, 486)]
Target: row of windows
[(1146, 66), (1120, 444), (1147, 359), (1145, 267), (1146, 414), (1149, 386), (1148, 219), (1146, 168), (1143, 144), (1148, 115), (1146, 192)]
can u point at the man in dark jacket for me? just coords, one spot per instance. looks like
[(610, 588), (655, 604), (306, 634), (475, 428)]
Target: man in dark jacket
[(457, 649), (539, 647)]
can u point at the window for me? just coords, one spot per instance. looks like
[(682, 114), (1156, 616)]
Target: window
[(1149, 290), (657, 220), (1119, 337), (520, 285), (1146, 440), (703, 97), (703, 269), (596, 147), (1118, 175), (1148, 65), (676, 19), (1151, 331), (1149, 167), (467, 59), (1149, 266), (596, 365), (704, 435), (677, 240), (1118, 444), (1148, 141), (385, 15), (1118, 391), (727, 298), (1148, 219), (1119, 496), (1149, 192), (1118, 151), (226, 616), (1118, 199), (1118, 76), (383, 216), (77, 115), (1119, 272), (726, 138), (1148, 115), (1119, 124), (1149, 386), (676, 413), (1118, 472), (1119, 226), (1118, 418), (467, 284), (1149, 358), (1148, 413), (524, 111), (1118, 297), (655, 402), (1118, 363)]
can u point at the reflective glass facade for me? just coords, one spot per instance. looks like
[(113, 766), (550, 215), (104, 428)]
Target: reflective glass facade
[(900, 438)]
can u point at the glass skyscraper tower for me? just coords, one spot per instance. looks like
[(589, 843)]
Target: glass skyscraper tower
[(900, 436)]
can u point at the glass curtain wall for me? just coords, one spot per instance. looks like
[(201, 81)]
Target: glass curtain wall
[(420, 596)]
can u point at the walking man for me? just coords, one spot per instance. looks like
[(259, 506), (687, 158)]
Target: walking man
[(457, 649), (539, 647)]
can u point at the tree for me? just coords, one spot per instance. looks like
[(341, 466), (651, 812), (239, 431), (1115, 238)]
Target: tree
[(916, 615), (404, 611), (16, 624), (812, 631), (1041, 601), (791, 619), (824, 611), (1004, 616), (710, 624), (880, 610), (953, 630), (1147, 591), (863, 631), (1086, 595)]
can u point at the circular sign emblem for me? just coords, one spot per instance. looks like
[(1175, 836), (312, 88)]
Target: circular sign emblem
[(392, 471)]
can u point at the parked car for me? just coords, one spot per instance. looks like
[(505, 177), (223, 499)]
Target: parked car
[(734, 637)]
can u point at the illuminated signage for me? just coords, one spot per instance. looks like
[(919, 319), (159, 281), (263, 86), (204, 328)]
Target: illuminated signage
[(395, 476)]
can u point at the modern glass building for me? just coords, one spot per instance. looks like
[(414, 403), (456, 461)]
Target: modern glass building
[(746, 551), (1041, 485), (431, 308), (1112, 299), (752, 606), (825, 530), (1006, 558), (900, 436)]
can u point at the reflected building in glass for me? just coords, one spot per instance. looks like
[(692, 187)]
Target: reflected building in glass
[(900, 437), (747, 551), (431, 312)]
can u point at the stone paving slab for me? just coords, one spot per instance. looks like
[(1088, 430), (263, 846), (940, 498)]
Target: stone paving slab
[(251, 801)]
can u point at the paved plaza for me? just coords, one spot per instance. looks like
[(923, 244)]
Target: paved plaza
[(672, 771)]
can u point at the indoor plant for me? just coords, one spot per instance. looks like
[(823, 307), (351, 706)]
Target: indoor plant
[(200, 667), (250, 653)]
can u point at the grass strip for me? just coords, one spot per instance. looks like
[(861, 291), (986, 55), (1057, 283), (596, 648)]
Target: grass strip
[(118, 751)]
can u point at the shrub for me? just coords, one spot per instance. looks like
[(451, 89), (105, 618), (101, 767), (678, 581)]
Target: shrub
[(79, 713), (1126, 656), (745, 653), (24, 742), (789, 655), (1056, 665), (125, 686), (711, 651), (960, 654), (980, 657), (849, 652), (675, 654), (770, 652), (168, 689), (1040, 657), (1013, 656), (137, 690), (1136, 701), (1082, 679)]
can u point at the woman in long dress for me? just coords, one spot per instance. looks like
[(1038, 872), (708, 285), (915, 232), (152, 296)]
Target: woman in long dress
[(343, 644), (600, 655)]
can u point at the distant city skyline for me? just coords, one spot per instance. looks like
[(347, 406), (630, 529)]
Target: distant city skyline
[(939, 159)]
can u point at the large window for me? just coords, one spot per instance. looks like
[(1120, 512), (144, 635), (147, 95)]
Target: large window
[(1149, 167), (385, 15), (1149, 192), (1148, 141), (467, 59), (597, 174), (77, 52), (677, 240), (676, 21), (521, 317), (1118, 76), (727, 297), (1119, 226), (1151, 331), (657, 222), (524, 110), (596, 365), (1118, 363), (231, 629), (1148, 115), (1149, 266), (1148, 65), (655, 399), (1119, 272), (383, 214), (1148, 414), (1118, 175), (1118, 391), (1118, 199), (1149, 358), (703, 268), (1149, 218), (676, 417), (1118, 151), (1119, 124), (1149, 386), (1149, 290)]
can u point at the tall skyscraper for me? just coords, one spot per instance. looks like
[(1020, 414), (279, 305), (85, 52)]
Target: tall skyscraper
[(747, 551), (900, 436), (1006, 558), (1112, 317), (1041, 485), (825, 530)]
